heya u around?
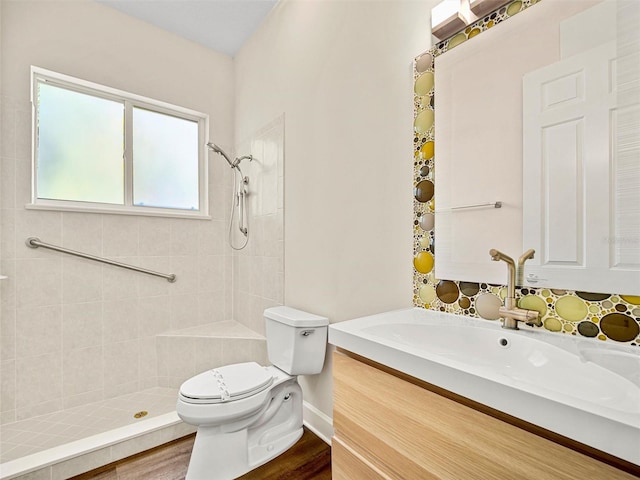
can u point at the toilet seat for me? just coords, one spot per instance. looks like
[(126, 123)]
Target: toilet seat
[(226, 384)]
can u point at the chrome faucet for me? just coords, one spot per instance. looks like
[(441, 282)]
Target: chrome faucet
[(510, 312)]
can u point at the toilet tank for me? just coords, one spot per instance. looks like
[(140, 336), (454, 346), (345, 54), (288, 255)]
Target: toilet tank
[(296, 340)]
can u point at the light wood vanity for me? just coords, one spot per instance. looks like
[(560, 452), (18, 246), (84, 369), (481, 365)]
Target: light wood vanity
[(389, 425)]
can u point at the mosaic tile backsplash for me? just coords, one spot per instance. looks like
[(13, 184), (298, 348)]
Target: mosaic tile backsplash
[(602, 316)]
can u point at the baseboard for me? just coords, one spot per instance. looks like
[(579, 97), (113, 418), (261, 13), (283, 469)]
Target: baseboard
[(318, 422)]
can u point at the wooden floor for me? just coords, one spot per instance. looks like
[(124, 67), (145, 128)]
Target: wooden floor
[(309, 459)]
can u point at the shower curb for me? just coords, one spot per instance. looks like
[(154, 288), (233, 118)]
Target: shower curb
[(81, 456)]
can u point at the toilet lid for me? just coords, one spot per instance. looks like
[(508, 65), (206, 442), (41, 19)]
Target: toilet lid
[(226, 384)]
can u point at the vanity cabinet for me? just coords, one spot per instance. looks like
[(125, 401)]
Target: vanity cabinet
[(387, 427)]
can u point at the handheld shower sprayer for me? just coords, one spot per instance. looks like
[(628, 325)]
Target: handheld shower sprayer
[(240, 195), (233, 164), (219, 151)]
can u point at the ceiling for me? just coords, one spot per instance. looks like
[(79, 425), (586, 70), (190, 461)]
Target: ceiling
[(222, 25)]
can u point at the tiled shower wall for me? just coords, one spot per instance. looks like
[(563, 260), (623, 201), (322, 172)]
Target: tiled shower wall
[(75, 331), (604, 316), (258, 269)]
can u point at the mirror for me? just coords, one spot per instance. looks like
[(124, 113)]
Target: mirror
[(511, 127)]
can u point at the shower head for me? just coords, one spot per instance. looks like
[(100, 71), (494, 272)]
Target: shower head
[(232, 164), (219, 151)]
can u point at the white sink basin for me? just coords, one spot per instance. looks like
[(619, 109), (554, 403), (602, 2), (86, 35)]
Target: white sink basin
[(584, 389)]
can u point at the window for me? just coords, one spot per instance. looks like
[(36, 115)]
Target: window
[(97, 148)]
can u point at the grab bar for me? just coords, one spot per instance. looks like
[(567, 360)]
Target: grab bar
[(34, 242)]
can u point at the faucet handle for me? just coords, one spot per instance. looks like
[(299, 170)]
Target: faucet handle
[(532, 317), (513, 315)]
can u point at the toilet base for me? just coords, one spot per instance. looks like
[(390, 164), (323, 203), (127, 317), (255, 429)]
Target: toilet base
[(220, 454)]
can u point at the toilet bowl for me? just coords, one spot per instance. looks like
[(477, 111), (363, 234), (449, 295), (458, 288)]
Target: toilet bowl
[(246, 413)]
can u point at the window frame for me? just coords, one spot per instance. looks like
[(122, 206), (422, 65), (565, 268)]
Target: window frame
[(129, 101)]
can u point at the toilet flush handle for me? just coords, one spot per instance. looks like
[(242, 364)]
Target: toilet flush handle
[(306, 333)]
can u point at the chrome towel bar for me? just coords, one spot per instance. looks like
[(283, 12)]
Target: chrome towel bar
[(497, 204), (34, 242), (491, 204)]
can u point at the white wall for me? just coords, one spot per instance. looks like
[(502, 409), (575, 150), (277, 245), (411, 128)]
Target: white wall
[(341, 72), (74, 331)]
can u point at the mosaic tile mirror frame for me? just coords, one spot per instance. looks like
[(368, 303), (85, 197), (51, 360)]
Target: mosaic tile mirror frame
[(603, 316)]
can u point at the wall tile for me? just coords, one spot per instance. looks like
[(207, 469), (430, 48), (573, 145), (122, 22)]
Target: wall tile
[(229, 286), (23, 133), (120, 321), (120, 236), (38, 382), (38, 331), (236, 350), (184, 236), (38, 281), (45, 225), (212, 236), (83, 371), (121, 367), (155, 237), (8, 182), (7, 233), (23, 412), (211, 307), (83, 398), (186, 270), (219, 189), (176, 358), (259, 351), (273, 279), (8, 285), (82, 232), (208, 353), (184, 311), (149, 285), (81, 325), (154, 315), (7, 417), (81, 280), (8, 334), (210, 273), (119, 283), (148, 362), (241, 307), (8, 131), (256, 319), (23, 183), (8, 386), (256, 275)]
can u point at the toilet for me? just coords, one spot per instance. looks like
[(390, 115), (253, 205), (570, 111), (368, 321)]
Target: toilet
[(246, 413)]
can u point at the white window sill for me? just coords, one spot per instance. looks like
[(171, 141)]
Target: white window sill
[(140, 211)]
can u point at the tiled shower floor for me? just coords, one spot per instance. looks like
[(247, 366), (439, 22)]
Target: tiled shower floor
[(36, 434)]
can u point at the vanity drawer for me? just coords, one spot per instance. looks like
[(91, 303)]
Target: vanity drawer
[(349, 465), (408, 432)]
